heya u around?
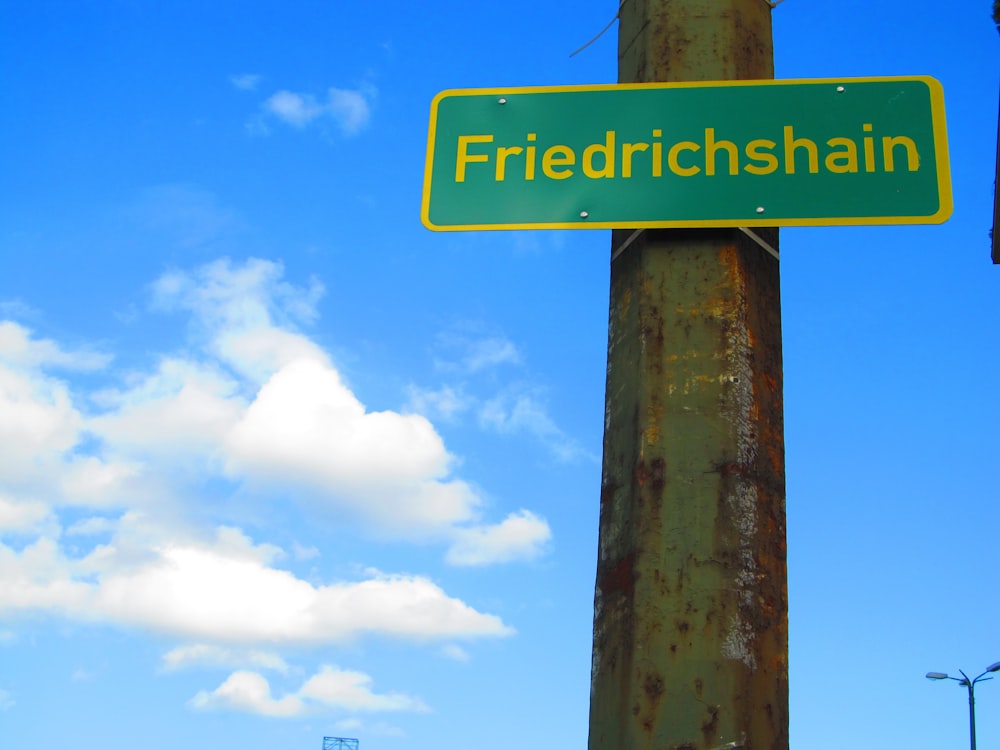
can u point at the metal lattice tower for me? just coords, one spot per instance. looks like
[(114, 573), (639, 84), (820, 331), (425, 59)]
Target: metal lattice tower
[(339, 743)]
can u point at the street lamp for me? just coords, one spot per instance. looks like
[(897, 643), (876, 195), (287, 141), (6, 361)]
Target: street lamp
[(971, 684)]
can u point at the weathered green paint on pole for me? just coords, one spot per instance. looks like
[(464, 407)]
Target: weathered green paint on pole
[(690, 623)]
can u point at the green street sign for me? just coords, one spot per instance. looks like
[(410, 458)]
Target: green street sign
[(723, 154)]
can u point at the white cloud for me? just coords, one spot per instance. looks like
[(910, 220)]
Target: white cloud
[(248, 692), (352, 691), (228, 592), (41, 429), (295, 109), (18, 348), (468, 350), (300, 552), (92, 526), (330, 689), (257, 403), (520, 412), (252, 404), (491, 352), (520, 536), (473, 355), (303, 426), (306, 427), (94, 482), (456, 653), (244, 314), (25, 516), (245, 81), (204, 654), (445, 402), (39, 421), (349, 109), (38, 578), (192, 406)]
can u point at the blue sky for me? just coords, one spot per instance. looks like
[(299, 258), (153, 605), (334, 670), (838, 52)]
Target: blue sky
[(276, 462)]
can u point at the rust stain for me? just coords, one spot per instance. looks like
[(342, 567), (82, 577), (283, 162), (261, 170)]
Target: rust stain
[(653, 686), (710, 726), (652, 434), (658, 473), (776, 453), (620, 579), (640, 474), (624, 304), (654, 472), (733, 469), (731, 259), (607, 494)]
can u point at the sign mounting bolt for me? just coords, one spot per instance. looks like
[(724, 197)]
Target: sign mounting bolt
[(584, 214), (502, 100), (760, 209), (840, 89)]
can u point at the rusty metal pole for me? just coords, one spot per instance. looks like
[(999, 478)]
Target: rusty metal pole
[(690, 622)]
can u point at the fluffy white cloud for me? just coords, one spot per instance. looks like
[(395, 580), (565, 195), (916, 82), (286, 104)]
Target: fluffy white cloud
[(19, 348), (38, 421), (40, 430), (248, 692), (330, 689), (192, 406), (263, 405), (23, 516), (352, 691), (295, 109), (521, 535), (39, 578), (305, 426), (250, 405), (205, 654), (302, 427), (244, 316), (228, 591), (349, 109)]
